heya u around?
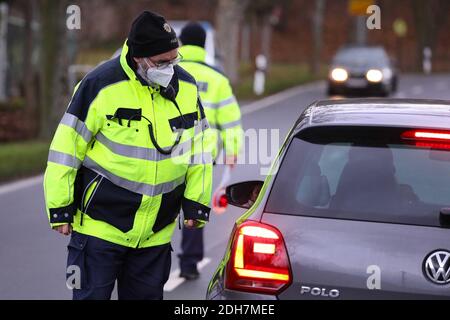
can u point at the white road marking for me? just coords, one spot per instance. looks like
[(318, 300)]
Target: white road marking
[(175, 280), (283, 95), (24, 183)]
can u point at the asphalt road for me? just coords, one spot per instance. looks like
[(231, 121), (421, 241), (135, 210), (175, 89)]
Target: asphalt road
[(32, 257)]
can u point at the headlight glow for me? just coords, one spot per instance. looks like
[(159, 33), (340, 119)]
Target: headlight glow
[(339, 74), (374, 75)]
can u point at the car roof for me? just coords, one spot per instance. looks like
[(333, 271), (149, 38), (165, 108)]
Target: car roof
[(432, 114)]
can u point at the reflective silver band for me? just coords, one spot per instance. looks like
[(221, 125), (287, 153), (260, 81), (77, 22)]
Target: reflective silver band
[(226, 102), (230, 124), (147, 153), (207, 104), (219, 104), (64, 159), (142, 152), (79, 126), (138, 187)]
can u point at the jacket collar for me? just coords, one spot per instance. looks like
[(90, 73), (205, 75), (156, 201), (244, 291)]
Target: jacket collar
[(129, 66)]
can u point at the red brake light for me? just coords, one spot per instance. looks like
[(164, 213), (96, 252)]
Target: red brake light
[(428, 138), (259, 261)]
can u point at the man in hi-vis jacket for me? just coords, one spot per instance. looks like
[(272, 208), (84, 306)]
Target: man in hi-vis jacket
[(114, 180)]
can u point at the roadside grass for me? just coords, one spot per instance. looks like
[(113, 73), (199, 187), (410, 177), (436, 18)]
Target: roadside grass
[(22, 159), (279, 77)]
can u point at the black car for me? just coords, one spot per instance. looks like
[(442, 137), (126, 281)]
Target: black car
[(356, 206), (362, 70)]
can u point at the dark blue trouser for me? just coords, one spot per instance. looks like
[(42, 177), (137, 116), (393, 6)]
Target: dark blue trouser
[(191, 249), (140, 273)]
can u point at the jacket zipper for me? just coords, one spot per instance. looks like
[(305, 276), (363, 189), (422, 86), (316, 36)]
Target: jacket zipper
[(93, 193), (156, 136), (83, 198), (155, 164)]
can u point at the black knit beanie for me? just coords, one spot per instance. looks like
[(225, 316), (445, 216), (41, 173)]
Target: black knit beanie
[(193, 34), (151, 35)]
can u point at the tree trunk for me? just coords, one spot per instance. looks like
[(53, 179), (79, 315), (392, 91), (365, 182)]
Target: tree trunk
[(4, 13), (429, 16), (30, 79), (28, 70), (317, 35), (228, 18), (245, 43), (54, 63), (266, 38)]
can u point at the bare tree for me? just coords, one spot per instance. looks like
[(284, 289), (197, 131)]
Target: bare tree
[(29, 77), (228, 19), (429, 17), (266, 15), (317, 22), (4, 16), (53, 63)]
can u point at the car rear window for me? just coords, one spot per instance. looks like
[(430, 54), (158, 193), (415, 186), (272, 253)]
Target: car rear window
[(362, 173)]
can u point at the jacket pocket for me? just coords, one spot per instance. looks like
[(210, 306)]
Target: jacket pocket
[(107, 202), (89, 192), (169, 208), (179, 123), (76, 272), (125, 114)]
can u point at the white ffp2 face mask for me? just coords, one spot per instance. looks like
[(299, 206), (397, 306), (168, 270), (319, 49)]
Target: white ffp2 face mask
[(161, 76)]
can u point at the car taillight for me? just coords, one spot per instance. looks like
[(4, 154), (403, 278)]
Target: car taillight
[(259, 261), (435, 139)]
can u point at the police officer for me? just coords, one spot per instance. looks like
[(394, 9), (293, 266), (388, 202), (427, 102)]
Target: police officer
[(224, 117), (128, 154)]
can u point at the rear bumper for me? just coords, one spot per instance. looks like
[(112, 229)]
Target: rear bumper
[(217, 291), (225, 294)]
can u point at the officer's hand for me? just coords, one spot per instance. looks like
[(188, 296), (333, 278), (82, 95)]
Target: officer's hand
[(64, 229), (231, 161), (192, 224)]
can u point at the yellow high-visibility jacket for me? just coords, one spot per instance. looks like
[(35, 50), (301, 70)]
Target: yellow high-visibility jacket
[(104, 173), (221, 107)]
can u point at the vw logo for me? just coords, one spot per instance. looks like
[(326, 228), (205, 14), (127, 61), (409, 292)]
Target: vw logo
[(437, 267)]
